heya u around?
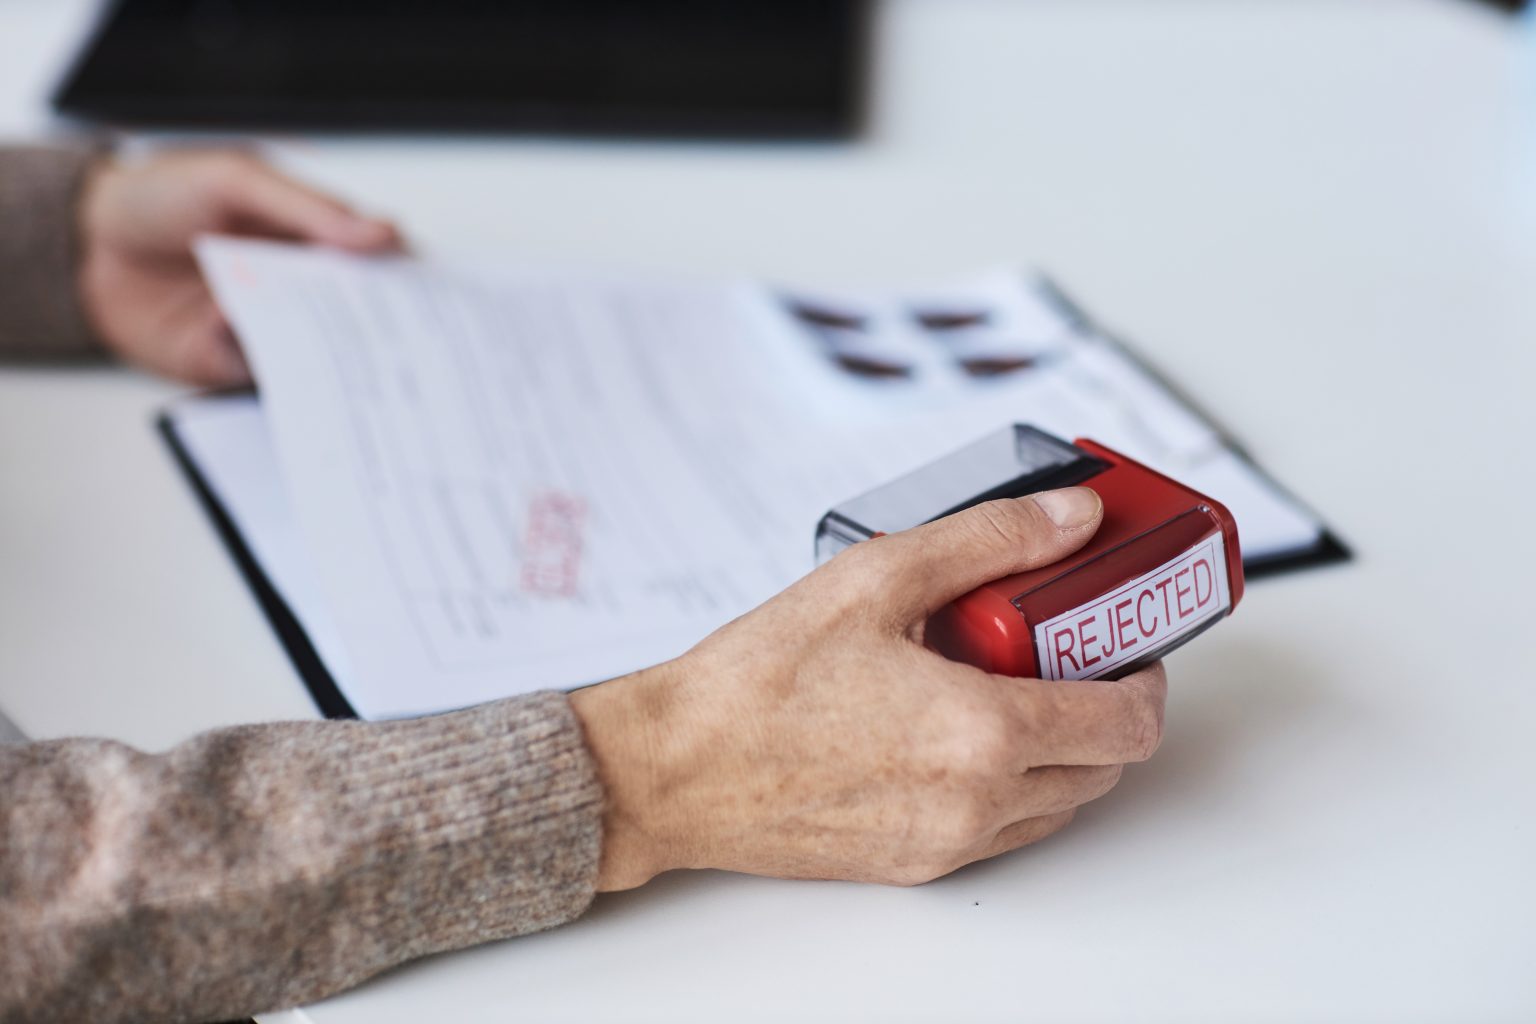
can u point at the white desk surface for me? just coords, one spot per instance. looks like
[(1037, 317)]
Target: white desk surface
[(1319, 217)]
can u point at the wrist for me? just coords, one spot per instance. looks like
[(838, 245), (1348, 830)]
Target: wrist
[(629, 727), (89, 216)]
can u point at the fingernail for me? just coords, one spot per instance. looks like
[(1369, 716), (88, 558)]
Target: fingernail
[(1069, 507)]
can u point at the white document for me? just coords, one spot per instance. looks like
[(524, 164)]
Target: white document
[(507, 479)]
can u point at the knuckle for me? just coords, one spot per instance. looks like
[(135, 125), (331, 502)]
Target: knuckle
[(1145, 728), (1152, 682), (959, 826), (226, 164), (1009, 520), (869, 566), (242, 159), (231, 172), (976, 743), (987, 746), (1040, 715)]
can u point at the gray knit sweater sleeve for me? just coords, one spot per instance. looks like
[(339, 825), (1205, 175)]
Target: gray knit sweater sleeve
[(261, 867), (40, 314)]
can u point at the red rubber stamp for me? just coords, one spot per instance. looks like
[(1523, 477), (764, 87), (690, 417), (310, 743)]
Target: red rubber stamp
[(1164, 567)]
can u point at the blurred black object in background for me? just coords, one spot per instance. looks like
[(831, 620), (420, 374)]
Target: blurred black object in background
[(742, 68)]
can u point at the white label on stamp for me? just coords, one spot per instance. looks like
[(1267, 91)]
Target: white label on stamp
[(1137, 617)]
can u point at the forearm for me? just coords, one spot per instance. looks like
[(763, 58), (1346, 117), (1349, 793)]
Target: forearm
[(265, 866), (40, 311)]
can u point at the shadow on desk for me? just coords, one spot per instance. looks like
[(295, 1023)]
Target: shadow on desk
[(1224, 711)]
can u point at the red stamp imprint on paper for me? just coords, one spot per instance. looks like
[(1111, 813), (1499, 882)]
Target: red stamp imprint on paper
[(552, 546)]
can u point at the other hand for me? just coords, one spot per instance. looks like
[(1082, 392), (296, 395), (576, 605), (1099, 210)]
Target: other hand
[(816, 737), (139, 283)]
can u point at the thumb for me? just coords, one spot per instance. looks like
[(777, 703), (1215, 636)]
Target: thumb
[(944, 559)]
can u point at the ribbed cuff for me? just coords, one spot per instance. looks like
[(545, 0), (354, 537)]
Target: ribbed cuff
[(488, 823), (40, 312)]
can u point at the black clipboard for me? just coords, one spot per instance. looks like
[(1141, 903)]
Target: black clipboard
[(290, 632), (1329, 549)]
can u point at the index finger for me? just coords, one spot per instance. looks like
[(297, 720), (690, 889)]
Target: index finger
[(1086, 722), (280, 203)]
